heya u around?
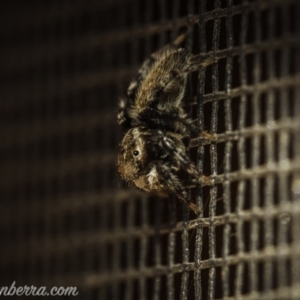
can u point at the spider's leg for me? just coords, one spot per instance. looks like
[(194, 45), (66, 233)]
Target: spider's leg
[(196, 62), (166, 120), (175, 187), (182, 157), (123, 118)]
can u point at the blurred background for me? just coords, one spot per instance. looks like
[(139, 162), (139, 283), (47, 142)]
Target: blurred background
[(66, 219)]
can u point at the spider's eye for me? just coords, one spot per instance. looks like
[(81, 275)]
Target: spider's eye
[(136, 152)]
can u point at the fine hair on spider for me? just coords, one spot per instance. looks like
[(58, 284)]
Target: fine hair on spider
[(154, 150)]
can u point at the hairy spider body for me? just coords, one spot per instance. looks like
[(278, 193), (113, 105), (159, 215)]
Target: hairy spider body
[(154, 151)]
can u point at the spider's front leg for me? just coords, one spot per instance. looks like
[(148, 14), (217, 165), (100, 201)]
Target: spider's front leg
[(173, 184), (179, 152)]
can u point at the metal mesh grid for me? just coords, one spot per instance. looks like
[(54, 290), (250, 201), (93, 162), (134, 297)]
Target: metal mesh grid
[(66, 219)]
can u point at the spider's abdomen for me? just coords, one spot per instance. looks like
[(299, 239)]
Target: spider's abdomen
[(164, 86)]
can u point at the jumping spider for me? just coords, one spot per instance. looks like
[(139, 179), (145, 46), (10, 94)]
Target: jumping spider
[(154, 149)]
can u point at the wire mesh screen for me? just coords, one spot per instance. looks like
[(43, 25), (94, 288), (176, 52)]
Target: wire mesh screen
[(66, 217)]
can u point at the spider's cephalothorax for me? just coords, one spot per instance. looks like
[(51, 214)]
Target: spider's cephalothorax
[(154, 149)]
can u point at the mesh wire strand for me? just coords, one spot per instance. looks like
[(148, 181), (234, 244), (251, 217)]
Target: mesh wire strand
[(66, 218)]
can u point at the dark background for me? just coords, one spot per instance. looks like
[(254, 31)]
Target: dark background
[(66, 218)]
